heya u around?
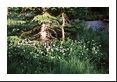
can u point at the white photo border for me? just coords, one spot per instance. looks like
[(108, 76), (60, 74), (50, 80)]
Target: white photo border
[(58, 77)]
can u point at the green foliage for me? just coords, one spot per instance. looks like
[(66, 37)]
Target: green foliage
[(85, 13), (13, 40), (76, 66), (15, 22), (45, 18), (87, 53), (71, 57)]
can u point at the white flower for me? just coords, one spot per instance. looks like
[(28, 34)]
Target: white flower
[(61, 47), (52, 57), (63, 53), (41, 52), (48, 48), (59, 57), (31, 52), (84, 46), (34, 44), (78, 42), (67, 48), (71, 49), (99, 45), (96, 52), (46, 55), (88, 42), (93, 48), (54, 45), (52, 50)]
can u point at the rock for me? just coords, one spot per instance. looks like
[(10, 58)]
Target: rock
[(98, 25)]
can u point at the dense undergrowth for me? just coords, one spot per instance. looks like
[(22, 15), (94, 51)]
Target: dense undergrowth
[(85, 55)]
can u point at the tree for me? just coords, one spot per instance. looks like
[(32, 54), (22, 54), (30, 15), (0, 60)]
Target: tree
[(50, 18), (62, 27), (47, 23)]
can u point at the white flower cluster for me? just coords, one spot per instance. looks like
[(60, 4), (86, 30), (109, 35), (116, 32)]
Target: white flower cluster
[(28, 42)]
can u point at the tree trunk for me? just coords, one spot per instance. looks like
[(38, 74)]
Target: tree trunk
[(62, 28)]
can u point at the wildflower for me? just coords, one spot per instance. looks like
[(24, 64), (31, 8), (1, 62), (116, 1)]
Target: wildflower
[(34, 43), (47, 49), (52, 50), (54, 45), (88, 41), (87, 49), (86, 57), (61, 47), (96, 52), (59, 57), (84, 46), (93, 48), (24, 50), (63, 53), (92, 40), (71, 49), (31, 52), (41, 52), (67, 48), (52, 57), (46, 55)]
